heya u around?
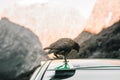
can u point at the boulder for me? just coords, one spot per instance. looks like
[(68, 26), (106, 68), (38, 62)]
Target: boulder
[(20, 50)]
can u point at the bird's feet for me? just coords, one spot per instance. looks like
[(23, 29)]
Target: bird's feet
[(65, 66)]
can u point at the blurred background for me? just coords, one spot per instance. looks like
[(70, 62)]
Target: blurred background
[(53, 19), (49, 19), (27, 26)]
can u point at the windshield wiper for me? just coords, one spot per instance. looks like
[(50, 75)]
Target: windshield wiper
[(93, 68), (99, 68)]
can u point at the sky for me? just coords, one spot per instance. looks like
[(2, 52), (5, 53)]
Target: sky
[(85, 6)]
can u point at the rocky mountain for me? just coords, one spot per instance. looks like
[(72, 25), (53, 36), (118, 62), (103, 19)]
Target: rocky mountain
[(48, 21), (105, 13), (83, 37), (104, 24), (103, 45), (20, 51)]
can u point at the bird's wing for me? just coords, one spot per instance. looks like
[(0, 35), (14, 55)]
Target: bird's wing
[(64, 45)]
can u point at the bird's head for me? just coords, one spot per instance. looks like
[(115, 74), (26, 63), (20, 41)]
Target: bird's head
[(76, 47)]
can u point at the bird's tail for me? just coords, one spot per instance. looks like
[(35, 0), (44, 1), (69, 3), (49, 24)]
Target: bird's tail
[(47, 48)]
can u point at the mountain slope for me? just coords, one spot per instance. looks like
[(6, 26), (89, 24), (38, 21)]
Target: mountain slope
[(103, 45)]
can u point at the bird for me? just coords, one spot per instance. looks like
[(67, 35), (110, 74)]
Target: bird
[(63, 46)]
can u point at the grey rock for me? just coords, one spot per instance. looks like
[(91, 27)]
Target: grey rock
[(20, 50)]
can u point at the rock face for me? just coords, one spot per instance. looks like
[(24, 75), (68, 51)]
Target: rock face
[(104, 17), (83, 37), (48, 21), (20, 50), (104, 14), (103, 45)]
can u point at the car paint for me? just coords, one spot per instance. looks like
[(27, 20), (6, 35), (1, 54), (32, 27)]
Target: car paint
[(48, 69)]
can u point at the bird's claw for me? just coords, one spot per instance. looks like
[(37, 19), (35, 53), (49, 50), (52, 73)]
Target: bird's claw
[(63, 67)]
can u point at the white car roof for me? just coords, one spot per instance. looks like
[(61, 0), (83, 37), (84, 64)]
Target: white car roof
[(103, 73)]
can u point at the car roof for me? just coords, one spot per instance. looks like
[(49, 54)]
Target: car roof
[(76, 71)]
